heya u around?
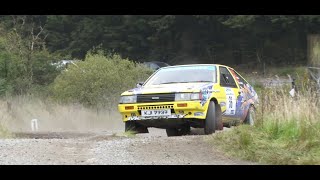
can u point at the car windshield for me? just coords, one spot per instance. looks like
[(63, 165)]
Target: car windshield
[(161, 64), (183, 74)]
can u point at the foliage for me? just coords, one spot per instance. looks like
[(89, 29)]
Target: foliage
[(173, 38), (24, 60), (30, 43), (286, 131), (98, 80)]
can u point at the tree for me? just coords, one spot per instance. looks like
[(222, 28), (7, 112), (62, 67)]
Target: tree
[(24, 53)]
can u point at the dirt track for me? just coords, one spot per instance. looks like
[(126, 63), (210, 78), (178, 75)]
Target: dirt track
[(106, 148)]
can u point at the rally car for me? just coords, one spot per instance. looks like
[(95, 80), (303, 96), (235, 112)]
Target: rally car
[(175, 98)]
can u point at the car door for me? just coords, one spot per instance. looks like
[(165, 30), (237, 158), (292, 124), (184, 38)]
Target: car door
[(246, 97), (230, 92)]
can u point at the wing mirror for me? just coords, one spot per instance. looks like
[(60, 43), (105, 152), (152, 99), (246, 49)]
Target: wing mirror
[(140, 84)]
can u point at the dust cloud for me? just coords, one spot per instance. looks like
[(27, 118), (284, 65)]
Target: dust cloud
[(17, 113)]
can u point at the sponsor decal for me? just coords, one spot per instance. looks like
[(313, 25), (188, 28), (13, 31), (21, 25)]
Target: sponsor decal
[(231, 102), (246, 97), (206, 92), (222, 104)]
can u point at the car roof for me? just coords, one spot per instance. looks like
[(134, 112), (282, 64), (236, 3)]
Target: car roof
[(155, 62), (185, 65)]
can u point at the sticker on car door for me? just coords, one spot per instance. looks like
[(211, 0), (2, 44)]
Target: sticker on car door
[(230, 102)]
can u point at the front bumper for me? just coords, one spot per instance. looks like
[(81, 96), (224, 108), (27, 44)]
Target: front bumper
[(193, 110)]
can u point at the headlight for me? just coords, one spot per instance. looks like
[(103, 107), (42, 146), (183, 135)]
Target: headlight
[(187, 96), (128, 99), (195, 96)]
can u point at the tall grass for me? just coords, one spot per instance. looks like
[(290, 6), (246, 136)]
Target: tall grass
[(4, 132), (17, 112), (287, 130), (4, 119)]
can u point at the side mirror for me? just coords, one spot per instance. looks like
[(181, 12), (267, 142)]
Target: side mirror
[(140, 84)]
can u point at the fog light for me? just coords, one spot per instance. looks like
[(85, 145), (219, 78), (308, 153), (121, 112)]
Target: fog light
[(129, 107), (182, 105)]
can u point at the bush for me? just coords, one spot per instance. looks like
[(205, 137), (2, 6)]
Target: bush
[(98, 80)]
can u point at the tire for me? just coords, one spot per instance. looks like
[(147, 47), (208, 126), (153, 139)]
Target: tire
[(185, 130), (137, 128), (172, 132), (129, 126), (178, 131), (251, 116), (211, 119), (219, 124)]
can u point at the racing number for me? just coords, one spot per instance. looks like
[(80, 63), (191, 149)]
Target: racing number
[(230, 102)]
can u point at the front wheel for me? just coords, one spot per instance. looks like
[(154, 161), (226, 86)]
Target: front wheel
[(211, 119), (178, 131), (135, 127), (219, 123), (172, 132)]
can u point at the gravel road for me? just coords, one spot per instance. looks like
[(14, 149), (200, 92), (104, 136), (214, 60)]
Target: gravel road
[(106, 148)]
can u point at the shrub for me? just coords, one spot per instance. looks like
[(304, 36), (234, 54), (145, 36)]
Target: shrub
[(98, 80)]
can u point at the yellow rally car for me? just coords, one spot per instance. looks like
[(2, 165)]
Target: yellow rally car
[(176, 98)]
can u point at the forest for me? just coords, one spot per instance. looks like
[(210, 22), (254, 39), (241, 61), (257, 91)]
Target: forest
[(29, 44)]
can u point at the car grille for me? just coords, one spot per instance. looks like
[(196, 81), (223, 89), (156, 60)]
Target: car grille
[(146, 98), (155, 107)]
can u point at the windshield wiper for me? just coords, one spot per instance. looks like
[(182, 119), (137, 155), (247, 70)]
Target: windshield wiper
[(200, 81), (171, 82)]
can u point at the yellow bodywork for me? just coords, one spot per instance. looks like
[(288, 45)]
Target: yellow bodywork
[(189, 111), (218, 94)]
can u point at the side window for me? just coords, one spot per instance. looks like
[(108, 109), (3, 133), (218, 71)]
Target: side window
[(238, 78), (154, 66), (226, 79)]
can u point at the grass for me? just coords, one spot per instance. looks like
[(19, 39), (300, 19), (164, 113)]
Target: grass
[(284, 71), (129, 134), (287, 130), (4, 120), (56, 117), (4, 132)]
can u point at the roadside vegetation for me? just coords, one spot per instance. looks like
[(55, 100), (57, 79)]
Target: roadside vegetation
[(98, 80), (129, 134), (82, 97), (4, 132), (287, 129)]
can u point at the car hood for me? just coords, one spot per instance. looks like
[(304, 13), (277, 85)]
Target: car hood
[(168, 88)]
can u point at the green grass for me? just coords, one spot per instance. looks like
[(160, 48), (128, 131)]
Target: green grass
[(4, 132), (129, 134), (287, 131), (269, 147)]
